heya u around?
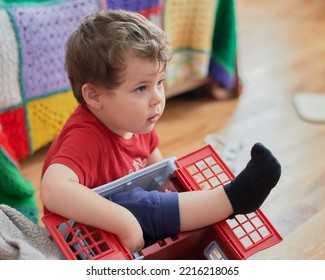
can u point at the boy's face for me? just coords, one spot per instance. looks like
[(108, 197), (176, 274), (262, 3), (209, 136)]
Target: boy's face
[(137, 104)]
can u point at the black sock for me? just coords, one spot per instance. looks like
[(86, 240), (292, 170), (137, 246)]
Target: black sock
[(251, 187)]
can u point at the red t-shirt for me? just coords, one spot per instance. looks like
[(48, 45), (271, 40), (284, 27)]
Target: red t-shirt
[(95, 153)]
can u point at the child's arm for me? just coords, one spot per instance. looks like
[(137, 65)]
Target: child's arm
[(154, 157), (61, 193)]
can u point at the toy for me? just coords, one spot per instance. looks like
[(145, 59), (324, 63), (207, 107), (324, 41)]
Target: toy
[(236, 238)]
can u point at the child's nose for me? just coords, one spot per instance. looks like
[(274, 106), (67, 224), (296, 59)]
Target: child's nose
[(156, 97)]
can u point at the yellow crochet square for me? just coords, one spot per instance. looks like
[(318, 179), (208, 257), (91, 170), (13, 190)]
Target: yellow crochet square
[(187, 65), (46, 117), (190, 23)]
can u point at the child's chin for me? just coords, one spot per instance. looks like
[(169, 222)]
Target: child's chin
[(147, 130)]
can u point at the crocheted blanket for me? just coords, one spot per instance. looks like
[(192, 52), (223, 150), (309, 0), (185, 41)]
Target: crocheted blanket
[(35, 94), (15, 189)]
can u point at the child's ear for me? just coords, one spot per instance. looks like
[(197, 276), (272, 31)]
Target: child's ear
[(91, 95)]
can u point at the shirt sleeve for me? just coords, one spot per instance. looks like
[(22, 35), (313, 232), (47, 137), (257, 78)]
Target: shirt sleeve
[(79, 151)]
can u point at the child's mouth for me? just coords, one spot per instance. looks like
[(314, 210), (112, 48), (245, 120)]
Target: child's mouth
[(154, 118)]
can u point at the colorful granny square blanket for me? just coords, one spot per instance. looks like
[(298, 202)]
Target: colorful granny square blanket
[(35, 94), (203, 36)]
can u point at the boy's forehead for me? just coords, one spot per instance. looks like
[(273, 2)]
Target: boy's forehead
[(143, 66)]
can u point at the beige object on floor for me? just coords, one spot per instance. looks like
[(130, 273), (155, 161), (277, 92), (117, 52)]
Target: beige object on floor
[(226, 149), (310, 106)]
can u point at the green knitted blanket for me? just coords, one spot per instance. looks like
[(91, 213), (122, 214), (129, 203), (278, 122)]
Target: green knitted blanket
[(15, 190)]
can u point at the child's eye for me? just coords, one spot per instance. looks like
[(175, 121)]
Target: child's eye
[(141, 89), (160, 83)]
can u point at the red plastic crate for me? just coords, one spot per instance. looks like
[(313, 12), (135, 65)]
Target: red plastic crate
[(245, 234), (236, 238), (82, 242)]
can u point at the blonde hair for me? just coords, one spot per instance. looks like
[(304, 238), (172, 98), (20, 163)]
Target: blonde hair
[(96, 50)]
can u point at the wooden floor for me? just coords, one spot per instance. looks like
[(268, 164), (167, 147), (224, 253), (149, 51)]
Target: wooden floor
[(281, 50)]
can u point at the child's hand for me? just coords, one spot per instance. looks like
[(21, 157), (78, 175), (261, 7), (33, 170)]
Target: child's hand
[(132, 236), (133, 243)]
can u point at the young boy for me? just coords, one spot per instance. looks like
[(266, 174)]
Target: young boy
[(116, 63)]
